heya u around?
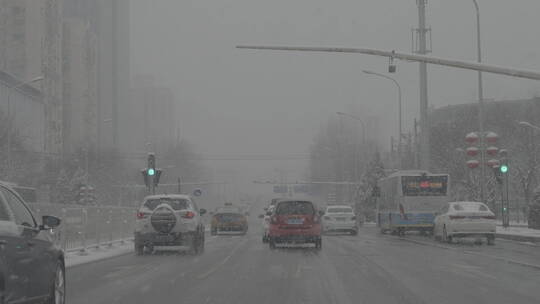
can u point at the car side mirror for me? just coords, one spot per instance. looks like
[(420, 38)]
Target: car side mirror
[(202, 211), (261, 216), (49, 222)]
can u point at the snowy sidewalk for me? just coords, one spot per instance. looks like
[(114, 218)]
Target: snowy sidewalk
[(518, 234), (74, 258)]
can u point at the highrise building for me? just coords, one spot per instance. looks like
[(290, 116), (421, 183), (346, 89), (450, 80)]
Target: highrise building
[(150, 118), (107, 22)]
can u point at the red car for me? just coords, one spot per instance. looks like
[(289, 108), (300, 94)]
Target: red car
[(295, 222)]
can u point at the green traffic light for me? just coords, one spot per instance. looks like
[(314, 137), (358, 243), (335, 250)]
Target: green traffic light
[(151, 171), (504, 168)]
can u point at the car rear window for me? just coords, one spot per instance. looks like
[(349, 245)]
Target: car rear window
[(295, 208), (175, 203), (339, 210), (470, 207)]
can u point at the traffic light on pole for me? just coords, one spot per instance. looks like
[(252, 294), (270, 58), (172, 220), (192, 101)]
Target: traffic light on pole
[(504, 161)]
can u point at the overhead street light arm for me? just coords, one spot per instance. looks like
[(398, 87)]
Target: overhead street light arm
[(528, 124), (461, 64)]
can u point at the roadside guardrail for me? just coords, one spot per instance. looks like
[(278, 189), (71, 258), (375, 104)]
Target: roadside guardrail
[(84, 227)]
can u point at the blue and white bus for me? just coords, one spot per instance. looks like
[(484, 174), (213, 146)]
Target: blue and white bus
[(409, 200)]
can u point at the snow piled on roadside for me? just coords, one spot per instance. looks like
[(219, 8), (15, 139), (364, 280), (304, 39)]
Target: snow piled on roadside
[(95, 254), (520, 231)]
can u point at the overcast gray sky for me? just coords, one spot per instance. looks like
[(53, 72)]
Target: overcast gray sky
[(234, 101)]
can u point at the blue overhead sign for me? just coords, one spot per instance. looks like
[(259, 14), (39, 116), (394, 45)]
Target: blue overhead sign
[(281, 189)]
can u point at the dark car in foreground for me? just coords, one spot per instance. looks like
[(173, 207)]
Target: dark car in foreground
[(31, 265), (295, 221)]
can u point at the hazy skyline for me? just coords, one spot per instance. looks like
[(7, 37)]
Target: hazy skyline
[(236, 102)]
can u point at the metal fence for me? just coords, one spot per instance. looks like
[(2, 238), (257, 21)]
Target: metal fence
[(86, 227)]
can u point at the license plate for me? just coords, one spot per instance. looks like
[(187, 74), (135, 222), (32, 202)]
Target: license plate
[(295, 221)]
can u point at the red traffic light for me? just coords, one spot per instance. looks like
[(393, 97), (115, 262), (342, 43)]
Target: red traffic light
[(472, 151), (491, 137), (471, 137), (473, 163), (492, 151), (493, 163)]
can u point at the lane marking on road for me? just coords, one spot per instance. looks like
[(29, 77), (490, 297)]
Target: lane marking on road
[(223, 262), (510, 261)]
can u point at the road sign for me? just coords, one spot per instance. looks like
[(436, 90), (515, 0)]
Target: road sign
[(281, 189), (197, 192)]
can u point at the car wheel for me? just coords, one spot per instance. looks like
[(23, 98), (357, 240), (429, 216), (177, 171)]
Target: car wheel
[(271, 243), (58, 290), (318, 244), (491, 240), (139, 249)]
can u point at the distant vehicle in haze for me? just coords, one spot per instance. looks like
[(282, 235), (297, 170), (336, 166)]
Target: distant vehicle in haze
[(410, 199), (229, 219), (295, 221), (32, 268), (340, 218), (169, 220), (465, 219)]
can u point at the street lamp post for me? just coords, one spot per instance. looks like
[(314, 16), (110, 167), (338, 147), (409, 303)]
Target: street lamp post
[(400, 114), (11, 89)]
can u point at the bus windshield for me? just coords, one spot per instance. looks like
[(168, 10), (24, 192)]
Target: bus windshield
[(424, 185)]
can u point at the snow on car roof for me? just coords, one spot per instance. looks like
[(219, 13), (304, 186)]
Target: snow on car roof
[(468, 206), (338, 206), (159, 196)]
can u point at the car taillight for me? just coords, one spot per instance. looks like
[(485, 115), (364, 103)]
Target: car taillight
[(316, 219), (189, 215), (273, 220), (141, 215), (456, 217), (489, 217)]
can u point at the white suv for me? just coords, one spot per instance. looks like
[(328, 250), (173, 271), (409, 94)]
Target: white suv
[(169, 220)]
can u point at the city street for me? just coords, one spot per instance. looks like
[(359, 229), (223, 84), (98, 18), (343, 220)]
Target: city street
[(368, 268)]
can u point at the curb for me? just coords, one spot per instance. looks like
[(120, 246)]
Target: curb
[(520, 238)]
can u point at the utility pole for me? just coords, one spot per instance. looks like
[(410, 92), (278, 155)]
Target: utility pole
[(480, 109), (424, 125)]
